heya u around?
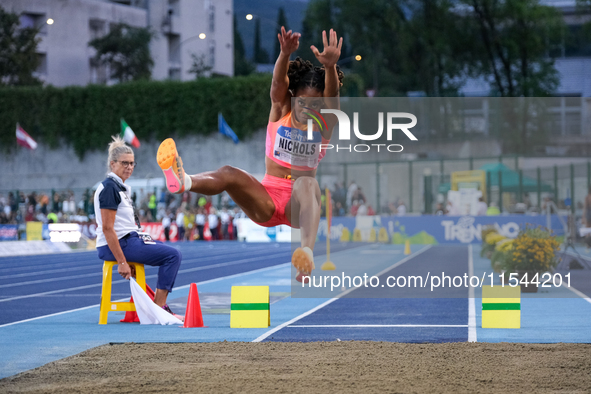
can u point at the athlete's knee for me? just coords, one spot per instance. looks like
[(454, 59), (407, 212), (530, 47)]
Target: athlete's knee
[(229, 173), (306, 183)]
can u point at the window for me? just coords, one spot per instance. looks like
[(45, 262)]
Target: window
[(174, 6), (174, 48), (98, 73), (174, 74), (42, 68), (212, 54), (96, 27), (211, 16), (34, 21)]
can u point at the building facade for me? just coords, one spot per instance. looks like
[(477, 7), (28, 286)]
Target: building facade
[(184, 30)]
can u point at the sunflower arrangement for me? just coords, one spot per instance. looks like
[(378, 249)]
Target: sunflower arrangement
[(533, 250), (490, 238)]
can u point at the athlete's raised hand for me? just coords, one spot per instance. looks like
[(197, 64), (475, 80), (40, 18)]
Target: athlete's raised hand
[(289, 41), (332, 49)]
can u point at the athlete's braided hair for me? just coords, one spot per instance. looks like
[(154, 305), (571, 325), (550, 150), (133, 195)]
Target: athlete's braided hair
[(302, 73)]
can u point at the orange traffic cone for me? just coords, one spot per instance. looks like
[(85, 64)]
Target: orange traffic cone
[(131, 316), (193, 316)]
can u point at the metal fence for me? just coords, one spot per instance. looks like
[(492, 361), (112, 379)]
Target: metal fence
[(422, 184)]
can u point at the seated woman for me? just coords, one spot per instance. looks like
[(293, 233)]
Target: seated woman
[(289, 193), (117, 226)]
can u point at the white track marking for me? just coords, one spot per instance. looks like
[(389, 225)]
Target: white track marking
[(579, 293), (205, 267), (471, 303), (330, 301), (377, 325), (176, 288)]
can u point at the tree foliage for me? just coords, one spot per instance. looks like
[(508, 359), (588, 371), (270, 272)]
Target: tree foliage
[(434, 46), (281, 21), (241, 64), (126, 51), (261, 56), (86, 117), (18, 57)]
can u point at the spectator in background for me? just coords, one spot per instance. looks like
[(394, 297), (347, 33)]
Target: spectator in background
[(214, 223), (339, 210), (189, 224), (180, 224), (401, 209), (166, 222), (350, 192), (493, 210), (451, 209), (225, 220), (439, 210), (482, 207), (152, 206), (200, 222), (361, 209), (354, 208)]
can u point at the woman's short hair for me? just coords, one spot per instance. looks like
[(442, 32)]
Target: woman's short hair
[(116, 149)]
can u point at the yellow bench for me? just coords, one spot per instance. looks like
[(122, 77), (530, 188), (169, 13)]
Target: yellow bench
[(106, 304)]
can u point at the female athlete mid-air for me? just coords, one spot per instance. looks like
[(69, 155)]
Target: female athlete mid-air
[(289, 193)]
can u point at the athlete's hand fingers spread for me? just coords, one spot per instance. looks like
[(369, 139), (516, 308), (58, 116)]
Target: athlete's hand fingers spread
[(324, 41), (315, 51)]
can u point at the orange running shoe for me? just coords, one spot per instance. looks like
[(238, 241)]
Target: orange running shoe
[(169, 160), (303, 260)]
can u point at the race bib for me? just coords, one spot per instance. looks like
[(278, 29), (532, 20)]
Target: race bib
[(292, 146)]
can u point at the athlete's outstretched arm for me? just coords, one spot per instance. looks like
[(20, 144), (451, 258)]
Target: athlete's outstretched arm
[(280, 98), (329, 58)]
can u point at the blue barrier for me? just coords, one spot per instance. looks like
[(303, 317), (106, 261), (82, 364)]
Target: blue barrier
[(434, 229), (8, 232)]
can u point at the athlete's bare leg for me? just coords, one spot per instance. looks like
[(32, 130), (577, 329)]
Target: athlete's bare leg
[(243, 188), (303, 211)]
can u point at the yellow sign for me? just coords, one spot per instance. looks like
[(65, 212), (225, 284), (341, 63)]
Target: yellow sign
[(475, 179), (34, 231)]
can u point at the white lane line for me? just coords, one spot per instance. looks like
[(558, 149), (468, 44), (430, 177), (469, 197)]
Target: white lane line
[(377, 325), (579, 293), (242, 261), (93, 264), (176, 288), (287, 323), (471, 303)]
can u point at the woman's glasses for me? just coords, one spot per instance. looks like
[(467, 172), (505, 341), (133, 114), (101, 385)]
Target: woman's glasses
[(127, 163)]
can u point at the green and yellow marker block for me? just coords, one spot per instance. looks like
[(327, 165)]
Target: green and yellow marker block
[(501, 307), (250, 307)]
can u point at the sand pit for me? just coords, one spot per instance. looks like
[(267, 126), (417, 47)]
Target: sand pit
[(314, 367)]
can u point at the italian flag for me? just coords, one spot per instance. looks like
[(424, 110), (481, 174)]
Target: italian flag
[(24, 139), (128, 135)]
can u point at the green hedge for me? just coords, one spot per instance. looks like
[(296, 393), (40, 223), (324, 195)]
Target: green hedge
[(86, 117)]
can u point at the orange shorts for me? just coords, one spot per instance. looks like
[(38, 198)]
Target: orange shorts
[(280, 191)]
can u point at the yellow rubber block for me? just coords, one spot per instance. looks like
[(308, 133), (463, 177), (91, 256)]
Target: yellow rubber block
[(249, 319), (501, 319), (372, 235), (383, 236), (250, 307), (502, 294), (356, 235), (345, 235)]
